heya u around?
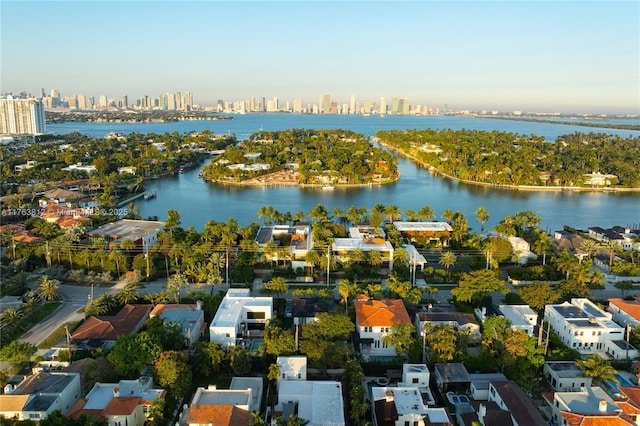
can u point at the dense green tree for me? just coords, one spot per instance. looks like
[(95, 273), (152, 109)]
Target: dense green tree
[(401, 337), (172, 371), (17, 354), (132, 354), (475, 285), (538, 295)]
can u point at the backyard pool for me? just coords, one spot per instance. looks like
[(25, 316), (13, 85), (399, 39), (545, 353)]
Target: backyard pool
[(255, 345), (456, 399)]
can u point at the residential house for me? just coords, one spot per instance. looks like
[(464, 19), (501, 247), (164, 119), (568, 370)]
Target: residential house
[(296, 238), (143, 233), (589, 403), (400, 406), (240, 318), (61, 197), (318, 402), (102, 331), (122, 403), (452, 376), (128, 169), (365, 238), (39, 395), (418, 375), (305, 310), (79, 167), (521, 316), (436, 232), (583, 326), (629, 402), (565, 376), (625, 312), (189, 316), (508, 395), (479, 387), (28, 165), (599, 179), (485, 413), (233, 406), (374, 319), (521, 249), (439, 316)]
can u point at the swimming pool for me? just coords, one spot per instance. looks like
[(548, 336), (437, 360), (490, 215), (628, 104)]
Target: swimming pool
[(622, 381), (456, 399), (255, 345)]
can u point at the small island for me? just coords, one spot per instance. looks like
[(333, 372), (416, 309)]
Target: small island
[(299, 157), (576, 162)]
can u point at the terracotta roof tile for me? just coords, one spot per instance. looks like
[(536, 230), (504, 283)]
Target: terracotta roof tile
[(12, 403), (381, 313), (633, 393), (574, 419), (160, 308), (218, 415), (121, 406), (112, 327), (631, 307)]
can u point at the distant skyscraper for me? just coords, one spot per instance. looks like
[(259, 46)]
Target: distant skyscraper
[(395, 103), (297, 106), (326, 104), (188, 101), (21, 116), (82, 102), (352, 104), (383, 105), (171, 101)]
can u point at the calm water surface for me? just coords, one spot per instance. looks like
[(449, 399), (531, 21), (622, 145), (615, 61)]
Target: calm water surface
[(199, 202)]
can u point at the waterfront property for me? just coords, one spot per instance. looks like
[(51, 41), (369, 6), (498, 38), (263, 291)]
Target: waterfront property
[(143, 233), (583, 326), (431, 232), (240, 318), (297, 239), (367, 239)]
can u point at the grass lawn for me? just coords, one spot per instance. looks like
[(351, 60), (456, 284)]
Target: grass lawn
[(41, 313), (58, 334)]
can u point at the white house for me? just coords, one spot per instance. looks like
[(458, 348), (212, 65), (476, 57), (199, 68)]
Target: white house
[(418, 375), (298, 237), (565, 376), (125, 402), (625, 312), (521, 316), (143, 233), (374, 319), (235, 404), (583, 326), (240, 317), (40, 394), (292, 367), (79, 167), (588, 401), (402, 406), (521, 249), (367, 239)]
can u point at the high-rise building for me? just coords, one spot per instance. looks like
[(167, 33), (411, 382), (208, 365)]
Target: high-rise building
[(326, 104), (188, 101), (21, 116), (383, 105), (352, 104), (82, 102)]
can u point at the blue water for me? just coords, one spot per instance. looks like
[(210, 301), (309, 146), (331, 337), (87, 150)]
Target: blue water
[(198, 201), (622, 380)]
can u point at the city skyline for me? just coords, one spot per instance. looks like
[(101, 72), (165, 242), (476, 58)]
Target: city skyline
[(565, 57)]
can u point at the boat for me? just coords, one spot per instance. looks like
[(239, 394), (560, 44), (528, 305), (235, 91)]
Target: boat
[(150, 195), (328, 187), (181, 170)]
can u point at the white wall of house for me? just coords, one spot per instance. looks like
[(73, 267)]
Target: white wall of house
[(377, 347), (136, 418)]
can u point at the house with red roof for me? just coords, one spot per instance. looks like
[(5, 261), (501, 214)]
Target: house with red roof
[(625, 312), (374, 319), (103, 331), (124, 403)]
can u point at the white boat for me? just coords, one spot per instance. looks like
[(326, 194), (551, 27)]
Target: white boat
[(328, 187)]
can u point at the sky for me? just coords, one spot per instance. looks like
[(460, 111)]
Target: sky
[(544, 56)]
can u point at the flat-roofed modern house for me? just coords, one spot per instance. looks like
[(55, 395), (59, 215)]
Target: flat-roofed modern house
[(143, 233), (292, 367), (189, 316), (625, 312), (240, 318), (40, 394), (451, 376), (583, 326), (438, 232), (399, 406), (366, 238), (297, 239), (521, 316), (374, 319), (122, 403), (418, 375), (565, 376), (508, 395)]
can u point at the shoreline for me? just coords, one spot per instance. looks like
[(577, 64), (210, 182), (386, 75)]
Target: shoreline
[(291, 179), (533, 188)]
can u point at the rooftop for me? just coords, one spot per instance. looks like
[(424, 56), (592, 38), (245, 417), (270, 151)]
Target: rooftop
[(127, 229), (320, 402), (381, 313), (423, 226), (234, 302), (565, 368)]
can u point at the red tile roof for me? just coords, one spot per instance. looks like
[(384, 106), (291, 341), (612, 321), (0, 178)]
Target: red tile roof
[(125, 322), (381, 313), (218, 415), (574, 419), (160, 308), (631, 307), (121, 406)]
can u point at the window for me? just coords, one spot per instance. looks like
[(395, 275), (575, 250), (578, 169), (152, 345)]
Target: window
[(256, 315), (415, 380), (407, 423)]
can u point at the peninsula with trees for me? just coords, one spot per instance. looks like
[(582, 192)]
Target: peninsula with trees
[(303, 157), (577, 161)]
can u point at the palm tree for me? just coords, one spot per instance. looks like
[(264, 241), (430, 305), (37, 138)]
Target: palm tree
[(10, 318), (128, 294), (346, 289), (565, 262), (542, 246), (375, 258), (401, 256), (447, 259), (48, 288), (612, 247), (393, 212), (118, 257), (312, 258), (426, 213), (276, 285), (482, 216), (598, 369), (590, 246)]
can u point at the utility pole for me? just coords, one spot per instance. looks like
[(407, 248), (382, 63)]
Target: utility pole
[(328, 262)]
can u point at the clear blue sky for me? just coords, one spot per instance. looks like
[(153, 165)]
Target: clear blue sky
[(532, 56)]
